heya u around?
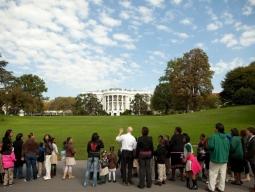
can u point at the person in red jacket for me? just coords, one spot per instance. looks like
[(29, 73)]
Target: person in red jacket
[(8, 158)]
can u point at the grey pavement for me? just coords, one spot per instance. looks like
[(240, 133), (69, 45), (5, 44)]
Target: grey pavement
[(56, 184)]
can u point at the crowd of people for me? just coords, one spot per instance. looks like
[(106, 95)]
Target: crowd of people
[(220, 158)]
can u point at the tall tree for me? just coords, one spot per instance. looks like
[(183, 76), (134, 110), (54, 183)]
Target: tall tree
[(240, 77), (89, 103), (162, 98), (139, 104), (191, 78), (66, 104)]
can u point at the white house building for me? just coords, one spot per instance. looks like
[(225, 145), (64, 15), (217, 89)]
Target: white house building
[(117, 100)]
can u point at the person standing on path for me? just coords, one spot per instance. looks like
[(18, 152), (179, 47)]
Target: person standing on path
[(128, 148), (30, 150), (18, 164), (93, 150), (144, 153), (70, 161), (219, 146), (48, 152), (250, 155)]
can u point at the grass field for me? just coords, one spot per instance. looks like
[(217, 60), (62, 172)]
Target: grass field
[(82, 127)]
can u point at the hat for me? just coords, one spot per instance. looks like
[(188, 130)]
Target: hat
[(228, 135)]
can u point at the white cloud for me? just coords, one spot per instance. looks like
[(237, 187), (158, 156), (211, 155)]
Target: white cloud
[(228, 18), (158, 53), (105, 19), (126, 55), (248, 37), (156, 3), (215, 41), (214, 26), (146, 14), (156, 71), (163, 28), (201, 45), (125, 14), (247, 10), (252, 2), (126, 4), (222, 66), (186, 21), (129, 46), (211, 14), (122, 37), (229, 40), (134, 65), (177, 2), (182, 35)]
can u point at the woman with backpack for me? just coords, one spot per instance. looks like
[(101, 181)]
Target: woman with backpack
[(93, 150)]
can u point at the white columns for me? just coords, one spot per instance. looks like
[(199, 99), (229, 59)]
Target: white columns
[(112, 102), (117, 103), (108, 100)]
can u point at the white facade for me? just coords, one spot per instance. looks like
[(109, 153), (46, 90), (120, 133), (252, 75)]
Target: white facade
[(117, 100)]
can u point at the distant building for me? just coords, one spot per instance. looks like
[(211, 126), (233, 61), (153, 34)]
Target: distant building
[(117, 100), (216, 93)]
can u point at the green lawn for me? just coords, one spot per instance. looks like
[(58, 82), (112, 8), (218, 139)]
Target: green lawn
[(82, 127)]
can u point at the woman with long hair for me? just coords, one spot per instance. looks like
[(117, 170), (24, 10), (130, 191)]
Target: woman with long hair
[(18, 164), (48, 152), (93, 150), (7, 139)]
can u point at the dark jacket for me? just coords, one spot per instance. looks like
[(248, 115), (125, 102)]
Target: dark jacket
[(144, 144), (250, 155), (160, 153), (40, 157), (176, 143), (112, 161), (244, 145), (18, 152), (93, 149), (30, 146), (6, 141), (236, 148), (70, 152), (48, 148)]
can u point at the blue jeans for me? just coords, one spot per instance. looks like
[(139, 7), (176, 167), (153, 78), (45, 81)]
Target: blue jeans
[(91, 161), (18, 169), (30, 160)]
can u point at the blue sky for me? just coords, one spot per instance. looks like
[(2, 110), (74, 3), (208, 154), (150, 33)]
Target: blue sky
[(81, 45)]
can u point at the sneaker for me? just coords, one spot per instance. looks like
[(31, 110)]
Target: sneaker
[(5, 186), (46, 178), (124, 183), (130, 183), (10, 185), (207, 182), (25, 180), (231, 179), (38, 176)]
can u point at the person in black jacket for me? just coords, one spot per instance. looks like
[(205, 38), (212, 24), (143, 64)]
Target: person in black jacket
[(160, 153), (144, 153), (250, 155), (93, 150), (176, 149), (18, 164), (7, 139)]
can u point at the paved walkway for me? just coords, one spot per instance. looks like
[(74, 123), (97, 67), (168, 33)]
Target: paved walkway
[(75, 185)]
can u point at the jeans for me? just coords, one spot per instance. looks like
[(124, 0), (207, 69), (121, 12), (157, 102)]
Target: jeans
[(18, 169), (30, 161), (91, 161)]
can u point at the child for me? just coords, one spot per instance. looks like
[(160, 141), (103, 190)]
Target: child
[(40, 159), (104, 167), (54, 158), (63, 156), (1, 164), (8, 158), (160, 154), (192, 165), (113, 164)]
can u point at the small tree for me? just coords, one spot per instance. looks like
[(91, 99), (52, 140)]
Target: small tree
[(139, 104)]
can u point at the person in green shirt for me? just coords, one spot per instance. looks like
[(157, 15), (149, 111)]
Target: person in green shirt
[(236, 155), (219, 146)]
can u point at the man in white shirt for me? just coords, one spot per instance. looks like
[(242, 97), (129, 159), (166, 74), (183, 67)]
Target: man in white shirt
[(127, 149)]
